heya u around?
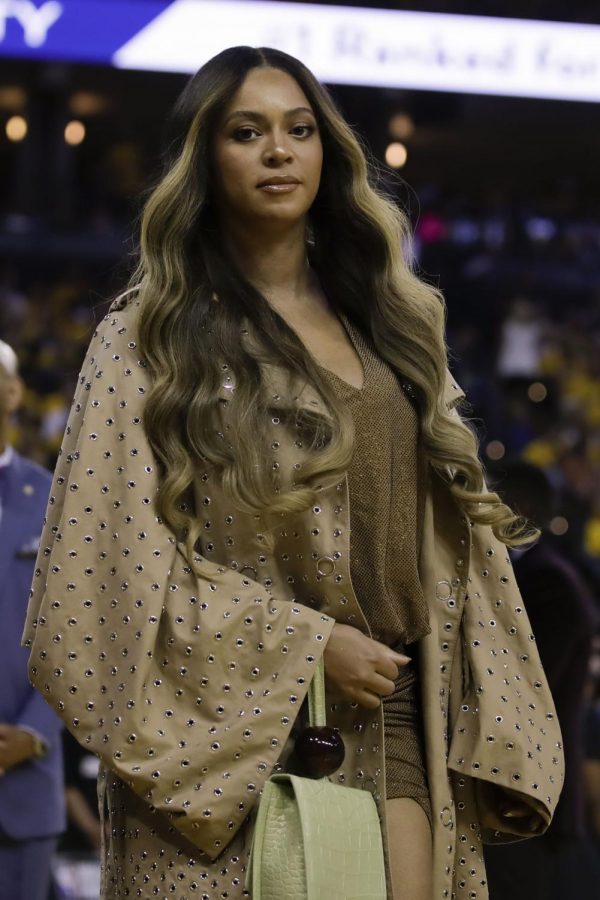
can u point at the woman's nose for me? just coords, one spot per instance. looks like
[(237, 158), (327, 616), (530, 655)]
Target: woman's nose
[(277, 153)]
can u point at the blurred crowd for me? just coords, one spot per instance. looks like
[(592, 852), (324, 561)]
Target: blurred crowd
[(522, 285), (49, 322)]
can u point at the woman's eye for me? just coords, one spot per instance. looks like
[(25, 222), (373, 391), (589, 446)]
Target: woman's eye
[(246, 133), (303, 130), (249, 132)]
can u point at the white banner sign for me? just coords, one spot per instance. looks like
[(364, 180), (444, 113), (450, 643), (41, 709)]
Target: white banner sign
[(386, 48)]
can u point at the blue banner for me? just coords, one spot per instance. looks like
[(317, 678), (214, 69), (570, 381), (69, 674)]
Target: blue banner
[(79, 30)]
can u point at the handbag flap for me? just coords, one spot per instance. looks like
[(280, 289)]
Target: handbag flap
[(341, 834)]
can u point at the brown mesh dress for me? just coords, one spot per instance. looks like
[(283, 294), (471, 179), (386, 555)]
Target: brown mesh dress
[(384, 542)]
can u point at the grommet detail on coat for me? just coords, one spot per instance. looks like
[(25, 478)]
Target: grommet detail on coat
[(443, 590), (325, 566), (446, 817), (248, 571)]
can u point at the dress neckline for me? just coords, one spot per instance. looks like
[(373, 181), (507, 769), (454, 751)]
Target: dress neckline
[(354, 337)]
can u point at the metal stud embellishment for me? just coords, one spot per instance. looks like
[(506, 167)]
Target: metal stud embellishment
[(325, 566)]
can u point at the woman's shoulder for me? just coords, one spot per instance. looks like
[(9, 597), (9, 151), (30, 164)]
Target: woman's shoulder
[(126, 307), (118, 329), (114, 344)]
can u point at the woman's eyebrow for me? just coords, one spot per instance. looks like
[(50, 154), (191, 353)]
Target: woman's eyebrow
[(259, 117)]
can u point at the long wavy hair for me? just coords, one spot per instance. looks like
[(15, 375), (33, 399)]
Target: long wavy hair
[(356, 249)]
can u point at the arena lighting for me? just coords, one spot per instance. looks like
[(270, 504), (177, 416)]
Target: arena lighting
[(401, 126), (342, 45), (13, 97), (74, 133), (396, 155), (537, 392), (495, 450), (16, 128), (559, 525), (86, 103)]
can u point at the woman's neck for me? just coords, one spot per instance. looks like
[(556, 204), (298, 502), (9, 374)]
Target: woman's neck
[(276, 264)]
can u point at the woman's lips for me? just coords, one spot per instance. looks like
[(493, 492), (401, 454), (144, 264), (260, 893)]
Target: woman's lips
[(279, 188)]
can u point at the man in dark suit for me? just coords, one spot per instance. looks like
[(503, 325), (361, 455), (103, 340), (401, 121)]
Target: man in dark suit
[(563, 619), (31, 780)]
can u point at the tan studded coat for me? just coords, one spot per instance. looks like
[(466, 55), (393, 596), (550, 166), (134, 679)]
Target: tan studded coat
[(188, 687)]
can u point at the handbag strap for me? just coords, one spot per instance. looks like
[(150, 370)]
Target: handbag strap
[(316, 696)]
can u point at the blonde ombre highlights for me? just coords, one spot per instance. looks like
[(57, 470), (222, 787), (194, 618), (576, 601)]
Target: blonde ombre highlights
[(187, 336)]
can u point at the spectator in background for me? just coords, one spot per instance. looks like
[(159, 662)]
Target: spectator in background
[(520, 351), (563, 619), (31, 783), (519, 363)]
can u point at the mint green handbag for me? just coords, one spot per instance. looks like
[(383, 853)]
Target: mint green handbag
[(315, 840)]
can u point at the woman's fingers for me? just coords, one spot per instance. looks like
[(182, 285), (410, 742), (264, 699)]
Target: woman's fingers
[(385, 652), (375, 687), (390, 662), (401, 658), (523, 811), (367, 699), (515, 810), (380, 685), (386, 667)]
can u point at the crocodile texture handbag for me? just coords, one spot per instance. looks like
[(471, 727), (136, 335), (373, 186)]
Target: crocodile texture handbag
[(315, 840)]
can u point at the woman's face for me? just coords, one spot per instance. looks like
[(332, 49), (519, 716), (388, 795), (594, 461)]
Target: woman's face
[(267, 152)]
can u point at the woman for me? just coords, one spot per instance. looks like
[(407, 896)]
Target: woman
[(275, 369)]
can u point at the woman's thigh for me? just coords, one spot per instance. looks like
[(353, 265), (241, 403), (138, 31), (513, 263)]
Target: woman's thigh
[(410, 851)]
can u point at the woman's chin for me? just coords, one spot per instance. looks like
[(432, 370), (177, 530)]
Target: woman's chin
[(281, 214)]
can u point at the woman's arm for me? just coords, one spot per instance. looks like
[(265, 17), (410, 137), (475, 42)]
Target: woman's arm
[(505, 734), (185, 685)]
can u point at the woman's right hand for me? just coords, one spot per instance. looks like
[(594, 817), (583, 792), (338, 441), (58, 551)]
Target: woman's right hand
[(363, 670)]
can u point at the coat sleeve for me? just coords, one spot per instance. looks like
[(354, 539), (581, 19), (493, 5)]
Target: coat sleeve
[(504, 731), (506, 734), (186, 687)]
